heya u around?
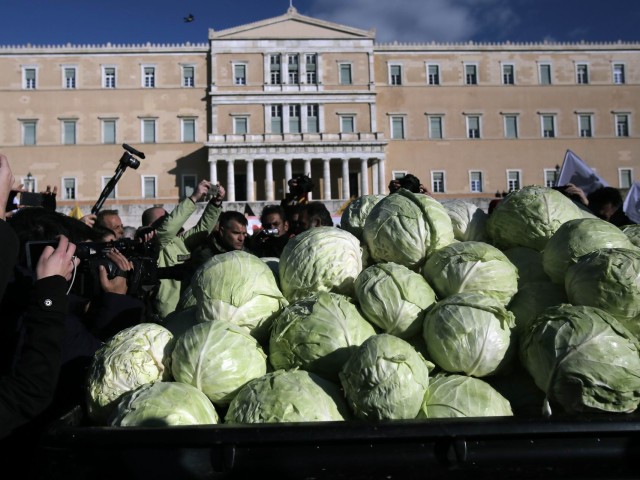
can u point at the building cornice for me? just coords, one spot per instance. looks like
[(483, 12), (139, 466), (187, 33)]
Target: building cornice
[(106, 48)]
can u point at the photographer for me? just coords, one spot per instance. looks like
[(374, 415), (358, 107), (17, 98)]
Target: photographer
[(299, 189), (273, 235), (175, 246)]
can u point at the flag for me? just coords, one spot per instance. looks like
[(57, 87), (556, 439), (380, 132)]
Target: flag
[(575, 171), (631, 205), (248, 211), (76, 213)]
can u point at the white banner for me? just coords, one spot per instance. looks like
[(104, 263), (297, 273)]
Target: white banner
[(575, 171), (631, 205)]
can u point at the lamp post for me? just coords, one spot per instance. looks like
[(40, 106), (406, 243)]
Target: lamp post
[(30, 187)]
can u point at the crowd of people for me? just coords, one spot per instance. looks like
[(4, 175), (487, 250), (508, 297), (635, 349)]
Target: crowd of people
[(61, 300)]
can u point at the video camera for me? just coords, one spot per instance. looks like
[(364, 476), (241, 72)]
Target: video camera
[(140, 280)]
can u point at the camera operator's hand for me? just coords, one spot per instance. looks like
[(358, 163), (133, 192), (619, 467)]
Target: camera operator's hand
[(201, 191), (59, 261), (116, 284)]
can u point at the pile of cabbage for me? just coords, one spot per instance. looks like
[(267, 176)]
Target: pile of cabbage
[(415, 309)]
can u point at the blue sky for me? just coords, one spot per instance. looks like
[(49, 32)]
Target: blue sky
[(54, 22)]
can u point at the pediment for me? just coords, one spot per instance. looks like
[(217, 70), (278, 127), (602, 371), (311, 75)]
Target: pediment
[(291, 25)]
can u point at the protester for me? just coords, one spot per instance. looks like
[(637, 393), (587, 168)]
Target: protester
[(175, 246), (299, 189), (408, 182), (315, 214), (606, 203)]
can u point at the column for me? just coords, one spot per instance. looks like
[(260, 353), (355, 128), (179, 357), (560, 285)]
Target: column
[(213, 170), (326, 177), (287, 169), (268, 181), (345, 178), (364, 178), (231, 181), (251, 195), (382, 182), (307, 172), (374, 174)]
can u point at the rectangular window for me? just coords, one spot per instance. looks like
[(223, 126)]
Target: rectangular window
[(311, 60), (622, 125), (276, 119), (113, 192), (148, 187), (347, 124), (545, 74), (239, 74), (437, 182), (148, 130), (475, 182), (29, 132), (69, 77), (293, 69), (473, 126), (471, 74), (584, 125), (275, 75), (626, 177), (618, 74), (395, 74), (548, 126), (513, 180), (188, 130), (69, 132), (508, 75), (510, 126), (435, 127), (550, 178), (188, 76), (240, 125), (582, 74), (397, 128), (433, 74), (109, 77), (68, 188), (109, 131), (29, 78), (345, 74), (149, 77), (294, 119), (189, 185), (313, 124)]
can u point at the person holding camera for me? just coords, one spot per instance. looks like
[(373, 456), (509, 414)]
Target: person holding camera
[(299, 189), (274, 233), (175, 246)]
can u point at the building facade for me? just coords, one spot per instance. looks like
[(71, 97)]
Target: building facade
[(262, 102)]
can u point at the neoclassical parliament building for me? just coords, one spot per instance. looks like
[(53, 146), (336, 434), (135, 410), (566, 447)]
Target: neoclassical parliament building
[(262, 102)]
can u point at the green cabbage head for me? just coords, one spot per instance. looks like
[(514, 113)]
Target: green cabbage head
[(317, 334), (240, 288), (355, 214), (386, 378), (217, 358), (321, 259), (406, 228), (472, 267), (163, 404), (528, 262), (578, 237), (393, 297), (529, 217), (608, 278), (469, 221), (633, 232), (288, 396), (450, 396), (132, 357), (583, 359), (531, 299), (469, 333)]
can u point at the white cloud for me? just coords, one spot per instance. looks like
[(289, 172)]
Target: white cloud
[(421, 20)]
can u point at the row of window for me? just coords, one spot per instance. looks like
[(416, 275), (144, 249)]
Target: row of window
[(514, 179), (293, 72), (511, 126), (109, 76), (69, 131)]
